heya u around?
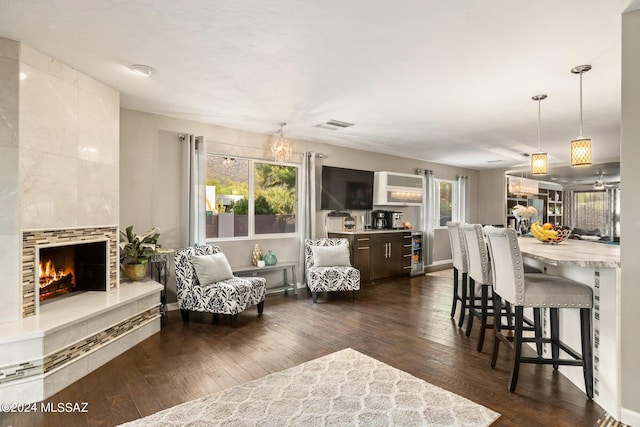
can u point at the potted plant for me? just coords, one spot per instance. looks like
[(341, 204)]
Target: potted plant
[(261, 261), (136, 251)]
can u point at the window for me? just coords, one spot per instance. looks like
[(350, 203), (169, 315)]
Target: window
[(247, 198), (445, 201)]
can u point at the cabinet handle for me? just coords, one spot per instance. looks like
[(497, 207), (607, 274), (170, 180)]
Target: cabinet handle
[(362, 248), (389, 250), (406, 255), (364, 239)]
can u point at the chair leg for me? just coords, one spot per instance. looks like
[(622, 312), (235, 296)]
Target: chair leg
[(314, 297), (470, 311), (483, 316), (455, 292), (185, 315), (537, 325), (260, 307), (587, 356), (463, 289), (354, 295), (234, 320), (517, 342), (554, 319), (497, 319)]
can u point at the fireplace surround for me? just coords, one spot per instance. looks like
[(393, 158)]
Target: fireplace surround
[(33, 240)]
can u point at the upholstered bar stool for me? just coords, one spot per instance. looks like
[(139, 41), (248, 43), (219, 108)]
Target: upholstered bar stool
[(480, 281), (538, 291), (459, 256), (479, 277)]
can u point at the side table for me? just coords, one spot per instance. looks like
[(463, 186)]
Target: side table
[(159, 273), (285, 267)]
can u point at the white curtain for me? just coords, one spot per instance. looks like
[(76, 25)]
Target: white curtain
[(429, 217), (462, 202), (308, 201), (194, 179)]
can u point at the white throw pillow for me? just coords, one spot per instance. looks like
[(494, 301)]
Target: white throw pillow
[(331, 256), (211, 268)]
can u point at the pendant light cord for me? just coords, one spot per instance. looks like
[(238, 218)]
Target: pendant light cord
[(539, 101), (581, 134)]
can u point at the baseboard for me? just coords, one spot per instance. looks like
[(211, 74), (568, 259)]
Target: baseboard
[(630, 418), (437, 266), (172, 306)]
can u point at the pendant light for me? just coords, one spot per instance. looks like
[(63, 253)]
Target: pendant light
[(581, 146), (539, 159), (280, 147)]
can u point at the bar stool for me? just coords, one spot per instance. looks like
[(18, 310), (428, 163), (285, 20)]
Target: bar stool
[(521, 290), (459, 256), (479, 268), (480, 280)]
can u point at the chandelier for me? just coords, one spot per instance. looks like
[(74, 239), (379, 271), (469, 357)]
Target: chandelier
[(280, 147), (539, 159), (581, 146)]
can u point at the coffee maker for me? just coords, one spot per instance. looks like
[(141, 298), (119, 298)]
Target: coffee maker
[(394, 219), (379, 220)]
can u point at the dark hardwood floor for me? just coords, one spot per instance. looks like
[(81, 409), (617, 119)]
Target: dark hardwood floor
[(404, 323)]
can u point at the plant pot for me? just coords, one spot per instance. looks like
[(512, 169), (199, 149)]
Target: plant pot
[(260, 263), (135, 272)]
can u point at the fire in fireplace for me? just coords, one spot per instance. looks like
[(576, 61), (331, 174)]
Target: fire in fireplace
[(68, 268)]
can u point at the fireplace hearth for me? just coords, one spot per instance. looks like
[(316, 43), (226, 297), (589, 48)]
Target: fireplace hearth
[(71, 267)]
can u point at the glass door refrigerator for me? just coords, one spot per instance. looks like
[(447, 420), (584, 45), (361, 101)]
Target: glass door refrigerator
[(417, 260)]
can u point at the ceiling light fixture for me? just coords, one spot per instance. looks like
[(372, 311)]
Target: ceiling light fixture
[(581, 146), (539, 159), (145, 70), (280, 147)]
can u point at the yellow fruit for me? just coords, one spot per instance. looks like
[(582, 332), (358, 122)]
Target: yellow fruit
[(547, 226)]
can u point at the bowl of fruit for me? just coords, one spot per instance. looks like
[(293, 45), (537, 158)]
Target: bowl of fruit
[(549, 233)]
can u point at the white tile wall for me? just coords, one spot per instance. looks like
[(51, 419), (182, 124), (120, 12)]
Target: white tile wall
[(10, 302)]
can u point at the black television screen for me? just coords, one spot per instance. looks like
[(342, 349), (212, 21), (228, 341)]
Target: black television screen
[(346, 189)]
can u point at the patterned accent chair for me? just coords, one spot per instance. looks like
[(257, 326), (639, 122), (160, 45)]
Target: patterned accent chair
[(230, 296), (324, 279)]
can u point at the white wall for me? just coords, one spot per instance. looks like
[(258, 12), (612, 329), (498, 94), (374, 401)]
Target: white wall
[(492, 196), (630, 226), (59, 158)]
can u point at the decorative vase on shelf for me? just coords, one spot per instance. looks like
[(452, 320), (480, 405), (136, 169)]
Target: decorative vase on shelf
[(261, 263), (135, 272), (270, 258), (256, 254)]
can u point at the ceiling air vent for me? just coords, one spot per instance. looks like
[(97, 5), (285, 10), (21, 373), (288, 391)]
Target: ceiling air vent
[(334, 125)]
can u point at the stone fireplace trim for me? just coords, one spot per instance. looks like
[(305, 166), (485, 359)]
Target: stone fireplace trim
[(32, 239)]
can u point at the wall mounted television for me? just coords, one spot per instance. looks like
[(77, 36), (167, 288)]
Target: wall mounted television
[(346, 189)]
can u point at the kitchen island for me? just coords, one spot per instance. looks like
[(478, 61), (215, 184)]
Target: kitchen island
[(598, 266)]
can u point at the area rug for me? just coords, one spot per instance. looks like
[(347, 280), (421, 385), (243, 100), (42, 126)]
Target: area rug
[(340, 389)]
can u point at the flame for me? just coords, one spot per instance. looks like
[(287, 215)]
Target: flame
[(48, 273)]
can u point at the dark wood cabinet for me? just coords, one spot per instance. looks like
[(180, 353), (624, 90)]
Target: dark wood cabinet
[(379, 255)]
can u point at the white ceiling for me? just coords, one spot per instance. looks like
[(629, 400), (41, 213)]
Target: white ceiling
[(443, 81)]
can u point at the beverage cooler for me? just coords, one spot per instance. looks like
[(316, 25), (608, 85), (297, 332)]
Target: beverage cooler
[(417, 260)]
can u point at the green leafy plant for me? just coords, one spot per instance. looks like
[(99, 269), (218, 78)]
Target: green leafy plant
[(138, 249)]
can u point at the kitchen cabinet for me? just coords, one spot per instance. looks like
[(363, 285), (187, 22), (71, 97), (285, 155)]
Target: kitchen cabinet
[(379, 254)]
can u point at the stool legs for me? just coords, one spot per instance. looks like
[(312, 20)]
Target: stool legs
[(455, 292), (587, 356), (463, 299), (484, 316), (517, 342), (470, 304), (554, 321)]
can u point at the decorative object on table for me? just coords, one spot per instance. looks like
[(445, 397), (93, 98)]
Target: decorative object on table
[(549, 233), (136, 251), (256, 255), (261, 261), (348, 223), (270, 258), (523, 214)]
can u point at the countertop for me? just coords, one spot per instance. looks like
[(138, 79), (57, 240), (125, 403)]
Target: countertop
[(571, 252), (375, 231)]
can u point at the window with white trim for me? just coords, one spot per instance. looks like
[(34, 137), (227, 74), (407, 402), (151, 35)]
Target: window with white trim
[(250, 198), (446, 196)]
